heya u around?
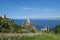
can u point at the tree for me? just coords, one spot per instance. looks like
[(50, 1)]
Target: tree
[(57, 29)]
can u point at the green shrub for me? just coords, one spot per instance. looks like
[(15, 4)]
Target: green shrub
[(57, 29)]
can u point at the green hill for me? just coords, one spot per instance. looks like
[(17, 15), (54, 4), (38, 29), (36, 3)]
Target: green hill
[(8, 25)]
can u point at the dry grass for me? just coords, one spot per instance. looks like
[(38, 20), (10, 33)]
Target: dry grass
[(29, 36)]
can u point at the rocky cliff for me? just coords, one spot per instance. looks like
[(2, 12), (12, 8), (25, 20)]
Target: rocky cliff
[(28, 26)]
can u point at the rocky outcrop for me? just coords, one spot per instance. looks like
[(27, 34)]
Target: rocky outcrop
[(8, 25), (28, 26)]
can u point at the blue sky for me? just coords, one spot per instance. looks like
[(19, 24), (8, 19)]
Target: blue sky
[(35, 9)]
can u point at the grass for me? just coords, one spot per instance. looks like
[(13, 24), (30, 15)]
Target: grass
[(43, 36)]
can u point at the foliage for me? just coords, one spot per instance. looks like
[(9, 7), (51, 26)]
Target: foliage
[(57, 29), (44, 36), (7, 25)]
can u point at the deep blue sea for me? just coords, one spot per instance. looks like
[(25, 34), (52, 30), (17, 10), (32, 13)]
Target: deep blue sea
[(39, 23)]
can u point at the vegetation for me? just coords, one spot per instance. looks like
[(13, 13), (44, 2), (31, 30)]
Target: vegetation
[(7, 25), (43, 36), (57, 29)]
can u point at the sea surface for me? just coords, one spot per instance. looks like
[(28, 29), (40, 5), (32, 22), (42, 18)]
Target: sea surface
[(39, 23)]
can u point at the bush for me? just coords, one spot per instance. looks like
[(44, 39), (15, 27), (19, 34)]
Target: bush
[(57, 29)]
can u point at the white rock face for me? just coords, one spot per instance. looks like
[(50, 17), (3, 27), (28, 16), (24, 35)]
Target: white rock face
[(28, 23), (3, 16), (28, 20)]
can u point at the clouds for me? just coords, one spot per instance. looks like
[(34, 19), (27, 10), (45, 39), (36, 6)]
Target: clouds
[(29, 8), (35, 9), (48, 9)]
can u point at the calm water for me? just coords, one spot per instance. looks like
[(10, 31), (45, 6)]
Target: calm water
[(39, 23)]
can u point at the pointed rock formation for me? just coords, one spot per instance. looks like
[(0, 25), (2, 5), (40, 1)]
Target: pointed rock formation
[(28, 26)]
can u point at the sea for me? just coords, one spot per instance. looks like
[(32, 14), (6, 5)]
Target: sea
[(39, 23)]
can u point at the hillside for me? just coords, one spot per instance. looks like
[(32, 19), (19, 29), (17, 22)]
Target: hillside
[(9, 26), (28, 26)]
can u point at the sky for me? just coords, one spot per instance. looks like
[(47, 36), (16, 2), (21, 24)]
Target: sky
[(34, 9)]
